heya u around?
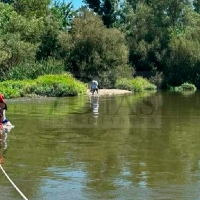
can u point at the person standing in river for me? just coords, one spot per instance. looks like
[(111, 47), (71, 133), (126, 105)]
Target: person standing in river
[(94, 87)]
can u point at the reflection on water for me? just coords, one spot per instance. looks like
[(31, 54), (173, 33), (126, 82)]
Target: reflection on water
[(3, 140), (56, 150), (95, 107), (3, 145)]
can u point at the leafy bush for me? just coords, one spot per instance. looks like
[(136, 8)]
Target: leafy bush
[(184, 87), (48, 85), (137, 84), (59, 85), (124, 84), (14, 89)]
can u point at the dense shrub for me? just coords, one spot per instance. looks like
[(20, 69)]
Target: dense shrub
[(59, 85), (184, 87), (124, 84), (48, 85), (137, 84)]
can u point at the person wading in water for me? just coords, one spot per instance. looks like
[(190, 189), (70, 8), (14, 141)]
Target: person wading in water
[(94, 87)]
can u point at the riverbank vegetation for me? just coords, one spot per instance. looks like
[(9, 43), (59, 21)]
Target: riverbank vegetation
[(110, 40), (137, 84), (185, 87), (48, 85)]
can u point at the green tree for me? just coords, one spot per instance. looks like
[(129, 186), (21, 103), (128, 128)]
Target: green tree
[(196, 4), (94, 4), (149, 33), (57, 23), (133, 3), (14, 51), (63, 13), (32, 8), (106, 9), (96, 50), (49, 44), (183, 55), (18, 38), (7, 1)]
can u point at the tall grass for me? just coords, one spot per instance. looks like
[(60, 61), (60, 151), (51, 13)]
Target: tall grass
[(48, 85), (137, 84), (33, 70)]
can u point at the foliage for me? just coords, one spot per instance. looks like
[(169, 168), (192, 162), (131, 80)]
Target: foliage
[(14, 89), (48, 85), (19, 37), (49, 45), (59, 85), (183, 54), (196, 4), (102, 39), (124, 84), (33, 70), (7, 1), (157, 78), (184, 87), (14, 51), (30, 8), (63, 12), (96, 51), (106, 9), (94, 4), (137, 84)]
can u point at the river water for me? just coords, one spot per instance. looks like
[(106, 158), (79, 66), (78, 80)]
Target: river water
[(137, 146)]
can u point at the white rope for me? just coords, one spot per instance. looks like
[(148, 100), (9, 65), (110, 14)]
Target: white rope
[(12, 183)]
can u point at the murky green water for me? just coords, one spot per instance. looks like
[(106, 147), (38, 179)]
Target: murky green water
[(124, 147)]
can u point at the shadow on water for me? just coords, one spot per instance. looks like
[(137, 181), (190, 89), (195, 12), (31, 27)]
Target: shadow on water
[(143, 146)]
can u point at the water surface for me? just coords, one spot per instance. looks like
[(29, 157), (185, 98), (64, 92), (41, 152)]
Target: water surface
[(114, 147)]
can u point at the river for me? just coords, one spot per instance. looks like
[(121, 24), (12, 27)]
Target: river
[(135, 146)]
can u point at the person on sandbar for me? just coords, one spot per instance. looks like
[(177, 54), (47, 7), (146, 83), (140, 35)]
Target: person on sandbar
[(94, 86)]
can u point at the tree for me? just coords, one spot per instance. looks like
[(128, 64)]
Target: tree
[(107, 9), (49, 44), (108, 12), (7, 1), (96, 50), (133, 3), (149, 33), (19, 38), (196, 4), (59, 19), (63, 13), (32, 8), (94, 4), (183, 55)]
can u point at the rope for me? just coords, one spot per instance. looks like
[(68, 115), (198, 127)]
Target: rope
[(13, 183)]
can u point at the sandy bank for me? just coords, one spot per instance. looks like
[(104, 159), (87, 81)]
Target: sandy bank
[(110, 91)]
